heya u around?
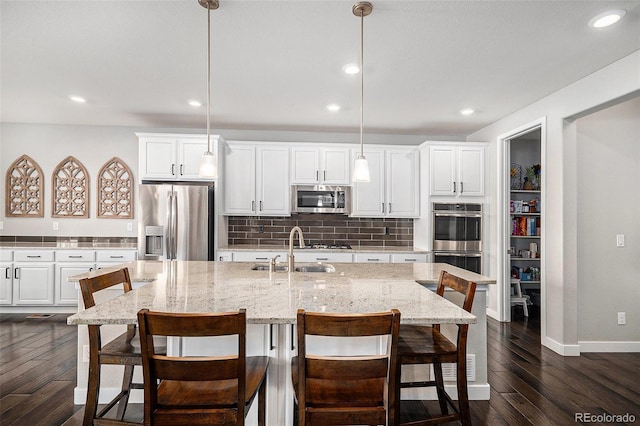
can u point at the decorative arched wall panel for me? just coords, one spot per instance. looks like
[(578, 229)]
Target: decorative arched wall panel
[(115, 190), (70, 189), (24, 191)]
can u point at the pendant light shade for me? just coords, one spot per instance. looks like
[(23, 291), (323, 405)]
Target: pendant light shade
[(361, 166), (208, 163)]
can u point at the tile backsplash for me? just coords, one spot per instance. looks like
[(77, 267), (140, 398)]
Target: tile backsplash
[(328, 228)]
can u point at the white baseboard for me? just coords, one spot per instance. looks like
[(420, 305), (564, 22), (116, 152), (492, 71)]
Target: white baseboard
[(477, 392), (39, 309), (493, 314), (562, 349), (595, 346)]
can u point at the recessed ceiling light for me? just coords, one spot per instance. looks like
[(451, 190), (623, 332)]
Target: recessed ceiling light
[(351, 69), (333, 107), (607, 18), (467, 111), (195, 103), (77, 99)]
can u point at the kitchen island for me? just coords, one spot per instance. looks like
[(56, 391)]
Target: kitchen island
[(271, 301)]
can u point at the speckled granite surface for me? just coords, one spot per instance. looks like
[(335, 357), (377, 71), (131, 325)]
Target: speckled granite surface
[(273, 298)]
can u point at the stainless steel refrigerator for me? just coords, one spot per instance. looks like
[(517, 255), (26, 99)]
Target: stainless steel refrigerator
[(175, 221)]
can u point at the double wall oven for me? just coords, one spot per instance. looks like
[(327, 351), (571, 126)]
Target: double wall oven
[(457, 235)]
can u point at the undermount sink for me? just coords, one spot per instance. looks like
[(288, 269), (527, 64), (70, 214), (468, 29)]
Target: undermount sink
[(316, 267), (265, 267)]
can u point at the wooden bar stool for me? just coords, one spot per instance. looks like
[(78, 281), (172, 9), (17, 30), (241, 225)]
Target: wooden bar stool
[(200, 390), (345, 390), (428, 345), (123, 350)]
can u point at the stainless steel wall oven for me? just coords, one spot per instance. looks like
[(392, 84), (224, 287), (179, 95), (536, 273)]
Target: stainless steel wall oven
[(457, 234)]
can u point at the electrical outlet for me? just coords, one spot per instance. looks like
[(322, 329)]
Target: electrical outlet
[(619, 240), (261, 229), (55, 226), (85, 353), (129, 226), (622, 319)]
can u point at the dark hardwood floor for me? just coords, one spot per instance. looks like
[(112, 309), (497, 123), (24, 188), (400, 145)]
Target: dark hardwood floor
[(530, 385)]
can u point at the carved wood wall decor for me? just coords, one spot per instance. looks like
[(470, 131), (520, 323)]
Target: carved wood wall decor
[(70, 189), (115, 190), (24, 190)]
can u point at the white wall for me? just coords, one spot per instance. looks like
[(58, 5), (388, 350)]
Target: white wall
[(609, 204), (622, 78), (48, 145)]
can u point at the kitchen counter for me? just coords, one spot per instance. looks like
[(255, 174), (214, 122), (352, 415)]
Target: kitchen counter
[(273, 298), (353, 249)]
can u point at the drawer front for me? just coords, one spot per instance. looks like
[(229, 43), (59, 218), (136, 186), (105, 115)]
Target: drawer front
[(409, 258), (302, 256), (371, 258), (116, 255), (6, 255), (261, 256), (33, 255), (75, 255)]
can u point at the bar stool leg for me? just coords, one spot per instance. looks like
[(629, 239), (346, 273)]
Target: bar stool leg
[(262, 402), (93, 385), (442, 399), (463, 395), (126, 389)]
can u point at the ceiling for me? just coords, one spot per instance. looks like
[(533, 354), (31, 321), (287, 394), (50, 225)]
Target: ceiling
[(277, 64)]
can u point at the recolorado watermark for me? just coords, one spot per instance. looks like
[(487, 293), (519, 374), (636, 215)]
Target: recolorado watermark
[(604, 418)]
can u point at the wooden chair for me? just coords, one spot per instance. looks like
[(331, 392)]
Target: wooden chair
[(345, 390), (428, 345), (123, 350), (200, 390)]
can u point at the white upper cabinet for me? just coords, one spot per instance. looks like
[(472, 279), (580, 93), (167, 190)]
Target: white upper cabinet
[(456, 170), (311, 165), (394, 187), (256, 179), (172, 156)]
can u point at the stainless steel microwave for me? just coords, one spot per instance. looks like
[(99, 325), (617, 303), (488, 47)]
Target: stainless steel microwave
[(320, 199)]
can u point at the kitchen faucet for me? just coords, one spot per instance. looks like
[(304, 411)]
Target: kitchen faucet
[(300, 240)]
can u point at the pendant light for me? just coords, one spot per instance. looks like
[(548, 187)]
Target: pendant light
[(208, 164), (361, 166)]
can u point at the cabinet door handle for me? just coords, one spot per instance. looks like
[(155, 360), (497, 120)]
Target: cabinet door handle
[(260, 205), (261, 258), (253, 205), (15, 274), (324, 175), (373, 260), (293, 346), (181, 169), (409, 260), (461, 187), (71, 256), (173, 170), (7, 273), (116, 257), (382, 207), (389, 207), (90, 269), (271, 345), (322, 258), (454, 187), (33, 256), (317, 175)]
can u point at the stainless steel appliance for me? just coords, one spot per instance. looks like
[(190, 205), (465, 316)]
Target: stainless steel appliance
[(175, 221), (321, 199), (457, 234)]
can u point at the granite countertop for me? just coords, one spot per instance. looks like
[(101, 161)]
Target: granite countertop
[(273, 298), (353, 249)]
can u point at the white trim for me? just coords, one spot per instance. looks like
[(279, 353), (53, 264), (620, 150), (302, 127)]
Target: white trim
[(14, 309), (564, 350), (616, 346), (493, 314), (477, 392), (106, 395)]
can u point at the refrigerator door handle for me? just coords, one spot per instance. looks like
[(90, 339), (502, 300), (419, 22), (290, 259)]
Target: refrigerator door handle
[(168, 229), (174, 232)]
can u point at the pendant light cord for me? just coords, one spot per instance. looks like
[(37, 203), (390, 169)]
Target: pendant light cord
[(208, 79), (361, 81)]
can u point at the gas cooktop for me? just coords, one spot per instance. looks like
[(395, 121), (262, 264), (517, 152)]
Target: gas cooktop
[(323, 245)]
